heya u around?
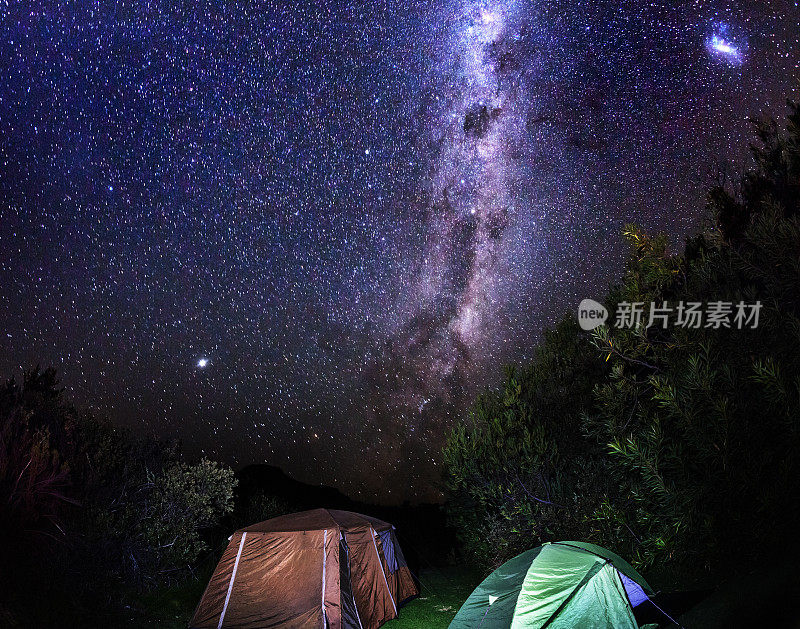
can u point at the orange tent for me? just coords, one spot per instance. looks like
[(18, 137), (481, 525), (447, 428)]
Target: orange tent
[(321, 568)]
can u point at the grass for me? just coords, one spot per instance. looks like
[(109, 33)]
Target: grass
[(442, 593), (170, 608), (764, 597)]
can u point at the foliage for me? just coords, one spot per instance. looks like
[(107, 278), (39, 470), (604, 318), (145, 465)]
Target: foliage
[(145, 510), (184, 500), (671, 445), (257, 506), (33, 473), (775, 180), (702, 424), (87, 510), (517, 470)]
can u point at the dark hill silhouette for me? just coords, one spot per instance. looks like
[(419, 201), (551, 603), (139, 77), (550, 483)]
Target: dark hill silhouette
[(421, 529), (273, 481)]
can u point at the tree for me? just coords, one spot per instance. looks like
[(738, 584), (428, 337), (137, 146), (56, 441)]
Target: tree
[(519, 471), (701, 424), (670, 445), (36, 433)]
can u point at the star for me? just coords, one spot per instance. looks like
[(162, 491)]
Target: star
[(371, 206)]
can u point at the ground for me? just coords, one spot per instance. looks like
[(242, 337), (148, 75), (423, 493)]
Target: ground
[(442, 593), (763, 597)]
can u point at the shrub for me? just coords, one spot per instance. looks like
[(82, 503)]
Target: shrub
[(34, 475), (88, 510), (519, 471), (690, 435), (259, 506)]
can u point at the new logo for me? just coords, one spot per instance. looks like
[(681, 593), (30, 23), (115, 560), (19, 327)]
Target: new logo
[(591, 314)]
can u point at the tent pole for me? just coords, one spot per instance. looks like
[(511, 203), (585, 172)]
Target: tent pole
[(380, 563)]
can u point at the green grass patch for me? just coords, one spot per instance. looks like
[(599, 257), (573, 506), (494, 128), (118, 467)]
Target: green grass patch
[(442, 593), (169, 608)]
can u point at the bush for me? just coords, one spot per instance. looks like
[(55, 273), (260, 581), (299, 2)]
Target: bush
[(184, 500), (257, 507), (34, 476), (87, 510), (146, 512), (671, 446), (519, 471)]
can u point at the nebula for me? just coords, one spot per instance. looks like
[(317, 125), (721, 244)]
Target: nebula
[(722, 45), (310, 234), (467, 211)]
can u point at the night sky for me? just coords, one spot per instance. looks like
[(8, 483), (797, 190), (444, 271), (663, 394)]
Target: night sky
[(307, 234)]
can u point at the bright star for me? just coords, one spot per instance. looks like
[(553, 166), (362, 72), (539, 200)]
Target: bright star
[(202, 363)]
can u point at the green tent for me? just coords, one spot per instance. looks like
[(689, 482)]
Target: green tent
[(560, 584)]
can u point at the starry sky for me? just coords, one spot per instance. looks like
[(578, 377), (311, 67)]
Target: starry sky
[(308, 233)]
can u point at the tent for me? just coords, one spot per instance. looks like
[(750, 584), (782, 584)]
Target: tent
[(321, 568), (557, 585)]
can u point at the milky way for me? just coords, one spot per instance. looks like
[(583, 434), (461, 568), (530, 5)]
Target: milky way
[(308, 234)]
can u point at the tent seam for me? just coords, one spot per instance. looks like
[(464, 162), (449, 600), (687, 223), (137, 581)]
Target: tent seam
[(230, 585), (324, 566), (591, 574)]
